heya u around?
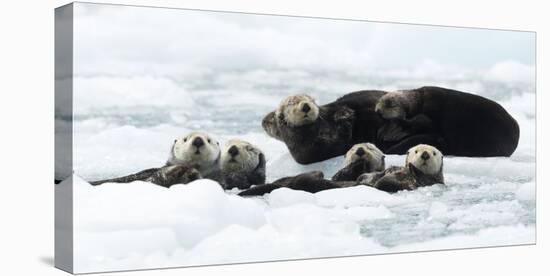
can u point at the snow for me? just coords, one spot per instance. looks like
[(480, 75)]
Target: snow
[(355, 196), (286, 197), (527, 192), (137, 88), (494, 236)]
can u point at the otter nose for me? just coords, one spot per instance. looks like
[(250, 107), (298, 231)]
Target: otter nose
[(233, 151), (306, 108), (198, 142), (360, 152), (425, 155)]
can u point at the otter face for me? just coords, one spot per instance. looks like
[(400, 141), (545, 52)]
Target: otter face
[(240, 156), (366, 151), (195, 149), (298, 110), (426, 158), (391, 106)]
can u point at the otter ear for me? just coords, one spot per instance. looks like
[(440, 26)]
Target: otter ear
[(175, 141)]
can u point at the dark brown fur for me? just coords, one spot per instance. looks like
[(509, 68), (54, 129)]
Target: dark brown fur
[(352, 171), (243, 180), (347, 121), (464, 124), (165, 176), (395, 179)]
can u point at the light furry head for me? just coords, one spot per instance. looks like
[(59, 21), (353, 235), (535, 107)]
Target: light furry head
[(241, 156), (366, 151), (425, 158), (393, 105), (298, 110), (196, 149)]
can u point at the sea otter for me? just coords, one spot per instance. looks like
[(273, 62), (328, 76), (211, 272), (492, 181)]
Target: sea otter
[(242, 165), (315, 133), (458, 123), (463, 124), (198, 150), (423, 167), (192, 154), (360, 159), (312, 182), (165, 176)]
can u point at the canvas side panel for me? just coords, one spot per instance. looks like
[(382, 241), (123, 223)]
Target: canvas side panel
[(64, 137)]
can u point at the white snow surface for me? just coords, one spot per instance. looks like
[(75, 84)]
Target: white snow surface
[(137, 88)]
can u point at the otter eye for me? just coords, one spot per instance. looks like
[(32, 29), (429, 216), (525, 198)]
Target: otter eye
[(415, 151), (184, 140), (209, 141), (249, 148), (434, 153)]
